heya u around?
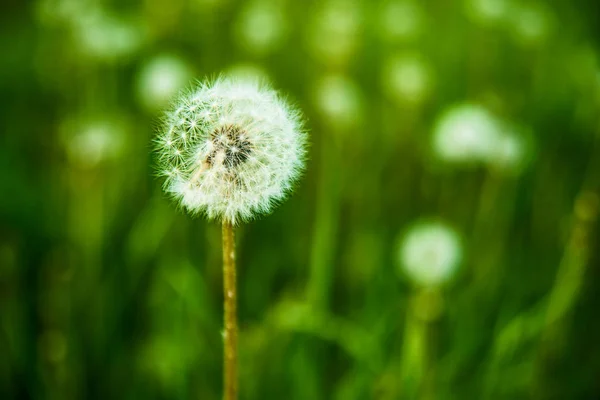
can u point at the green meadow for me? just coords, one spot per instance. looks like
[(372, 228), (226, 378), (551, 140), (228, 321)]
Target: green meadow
[(440, 244)]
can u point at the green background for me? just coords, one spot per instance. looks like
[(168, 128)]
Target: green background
[(109, 291)]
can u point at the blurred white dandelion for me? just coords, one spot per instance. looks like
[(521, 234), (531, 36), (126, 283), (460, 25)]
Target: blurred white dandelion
[(105, 36), (401, 20), (92, 141), (406, 78), (487, 12), (429, 253), (231, 149), (334, 33), (338, 99), (161, 78), (261, 27), (471, 134), (465, 133)]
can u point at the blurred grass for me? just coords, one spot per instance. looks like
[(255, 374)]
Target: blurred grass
[(108, 291)]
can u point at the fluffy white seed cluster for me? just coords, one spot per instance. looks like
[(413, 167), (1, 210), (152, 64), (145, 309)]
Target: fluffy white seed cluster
[(231, 149), (466, 133), (429, 253), (470, 134)]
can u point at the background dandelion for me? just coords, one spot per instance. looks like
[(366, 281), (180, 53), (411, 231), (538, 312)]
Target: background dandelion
[(482, 114), (429, 253)]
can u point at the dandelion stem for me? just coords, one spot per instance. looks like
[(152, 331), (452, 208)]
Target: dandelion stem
[(230, 320)]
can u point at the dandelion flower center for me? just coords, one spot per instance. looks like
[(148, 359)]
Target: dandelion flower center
[(232, 143)]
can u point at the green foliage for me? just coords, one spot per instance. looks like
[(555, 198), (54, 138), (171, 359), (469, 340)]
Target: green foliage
[(108, 291)]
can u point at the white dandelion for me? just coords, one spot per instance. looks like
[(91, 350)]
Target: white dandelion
[(466, 133), (406, 78), (334, 34), (231, 149), (161, 78), (401, 20), (429, 253), (261, 27), (92, 141), (339, 100), (487, 12), (470, 134), (107, 37)]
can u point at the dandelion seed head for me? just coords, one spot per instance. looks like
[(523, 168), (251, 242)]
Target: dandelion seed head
[(334, 32), (406, 78), (429, 253), (401, 20), (470, 134), (159, 79), (101, 35), (487, 12), (261, 27), (241, 148), (339, 99), (465, 133), (91, 141)]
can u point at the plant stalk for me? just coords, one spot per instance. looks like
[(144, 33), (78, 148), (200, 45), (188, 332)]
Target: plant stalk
[(230, 356)]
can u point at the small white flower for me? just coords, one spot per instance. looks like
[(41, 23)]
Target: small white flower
[(429, 253), (236, 148)]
